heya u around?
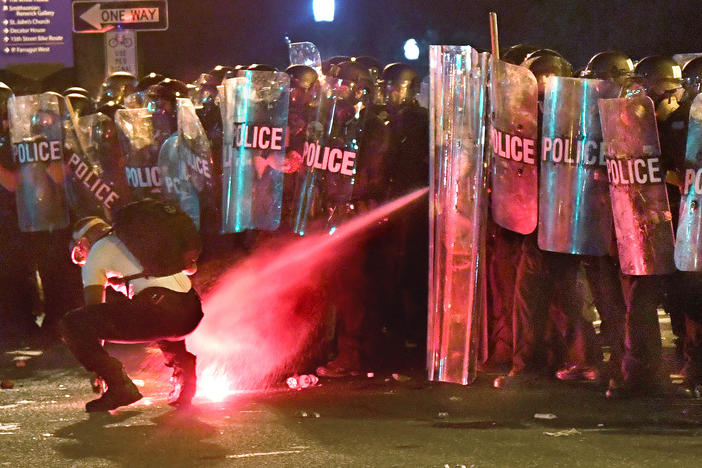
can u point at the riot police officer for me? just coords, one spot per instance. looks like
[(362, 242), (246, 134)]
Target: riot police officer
[(680, 138), (18, 291), (408, 169), (545, 283), (343, 196), (643, 277), (603, 272)]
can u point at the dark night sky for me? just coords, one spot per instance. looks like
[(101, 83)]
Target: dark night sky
[(204, 33), (207, 32)]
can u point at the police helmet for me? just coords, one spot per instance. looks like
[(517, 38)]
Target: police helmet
[(692, 75), (81, 104), (117, 86), (516, 54), (261, 67), (609, 65), (331, 61), (542, 52), (76, 90), (371, 63), (177, 87), (205, 91), (304, 83), (658, 67), (400, 82), (148, 80), (160, 98), (549, 65), (302, 76), (355, 72), (661, 76), (220, 70), (544, 66)]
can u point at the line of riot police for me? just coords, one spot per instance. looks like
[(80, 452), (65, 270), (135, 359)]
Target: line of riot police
[(230, 149), (618, 168)]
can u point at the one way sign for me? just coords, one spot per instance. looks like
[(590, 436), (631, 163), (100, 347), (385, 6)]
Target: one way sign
[(140, 15)]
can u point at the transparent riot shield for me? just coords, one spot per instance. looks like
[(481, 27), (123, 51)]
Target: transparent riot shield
[(141, 148), (185, 163), (302, 114), (513, 135), (97, 182), (575, 212), (642, 218), (458, 211), (36, 134), (305, 53), (329, 158), (254, 151), (688, 243), (174, 175)]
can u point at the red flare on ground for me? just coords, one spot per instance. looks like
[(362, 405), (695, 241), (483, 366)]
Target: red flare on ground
[(266, 309)]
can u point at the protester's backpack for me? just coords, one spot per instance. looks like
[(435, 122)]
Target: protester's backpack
[(160, 235)]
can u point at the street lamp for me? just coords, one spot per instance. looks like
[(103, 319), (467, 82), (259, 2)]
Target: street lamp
[(323, 10)]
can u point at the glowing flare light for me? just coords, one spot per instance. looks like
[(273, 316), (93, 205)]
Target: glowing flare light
[(264, 311)]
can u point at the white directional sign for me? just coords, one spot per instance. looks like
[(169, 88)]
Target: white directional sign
[(121, 51), (139, 15)]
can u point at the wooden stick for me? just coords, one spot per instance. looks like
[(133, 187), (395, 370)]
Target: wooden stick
[(494, 39)]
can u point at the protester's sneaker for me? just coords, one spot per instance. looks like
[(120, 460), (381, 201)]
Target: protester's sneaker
[(184, 382), (121, 394), (578, 372)]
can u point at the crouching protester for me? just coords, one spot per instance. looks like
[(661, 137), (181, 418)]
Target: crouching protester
[(156, 307)]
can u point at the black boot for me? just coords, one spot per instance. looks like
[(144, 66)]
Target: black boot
[(121, 391), (184, 381)]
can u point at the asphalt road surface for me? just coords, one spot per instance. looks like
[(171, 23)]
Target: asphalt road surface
[(379, 421)]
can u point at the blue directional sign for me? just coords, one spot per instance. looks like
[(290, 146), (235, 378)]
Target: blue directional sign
[(35, 32), (139, 15)]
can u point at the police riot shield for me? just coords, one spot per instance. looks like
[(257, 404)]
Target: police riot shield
[(326, 195), (575, 213), (304, 106), (688, 243), (642, 218), (305, 53), (140, 146), (185, 163), (254, 150), (36, 134), (513, 134), (458, 211), (97, 182)]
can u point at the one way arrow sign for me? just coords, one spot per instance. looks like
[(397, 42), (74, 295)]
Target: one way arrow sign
[(140, 15)]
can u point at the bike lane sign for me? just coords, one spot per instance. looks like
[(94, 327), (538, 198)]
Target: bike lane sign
[(121, 51)]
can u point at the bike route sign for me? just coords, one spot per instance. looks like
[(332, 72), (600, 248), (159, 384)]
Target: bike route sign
[(138, 15), (35, 32), (121, 52)]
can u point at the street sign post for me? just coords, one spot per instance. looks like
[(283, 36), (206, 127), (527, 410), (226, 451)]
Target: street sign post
[(138, 15)]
